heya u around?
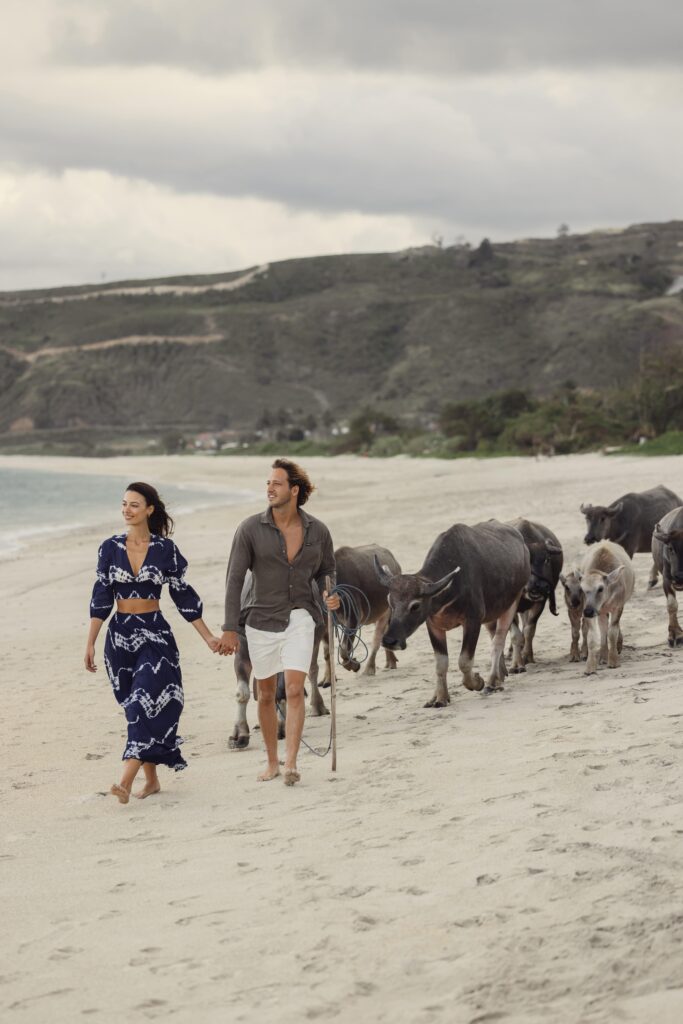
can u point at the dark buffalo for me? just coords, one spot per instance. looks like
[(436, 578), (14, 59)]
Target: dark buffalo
[(239, 738), (472, 576), (667, 552), (356, 570), (545, 556), (630, 520)]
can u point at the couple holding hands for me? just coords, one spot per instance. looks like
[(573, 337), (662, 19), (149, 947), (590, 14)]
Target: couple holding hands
[(285, 549)]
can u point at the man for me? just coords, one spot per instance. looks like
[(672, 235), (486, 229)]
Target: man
[(286, 550)]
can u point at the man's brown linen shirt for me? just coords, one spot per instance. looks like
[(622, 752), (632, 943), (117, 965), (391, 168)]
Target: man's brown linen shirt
[(277, 587)]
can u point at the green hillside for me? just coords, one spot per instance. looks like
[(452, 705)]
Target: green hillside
[(405, 332)]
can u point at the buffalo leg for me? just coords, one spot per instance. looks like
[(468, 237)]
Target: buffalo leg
[(239, 739), (317, 704), (603, 620), (652, 578), (675, 631), (470, 635), (440, 647), (380, 629), (575, 618), (499, 634), (613, 634), (516, 645), (530, 620), (593, 639)]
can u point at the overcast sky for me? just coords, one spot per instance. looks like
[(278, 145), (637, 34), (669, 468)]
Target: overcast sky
[(152, 137)]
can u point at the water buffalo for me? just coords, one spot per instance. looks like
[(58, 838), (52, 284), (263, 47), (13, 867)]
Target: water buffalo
[(574, 599), (472, 576), (356, 570), (630, 520), (667, 551), (607, 582), (545, 555)]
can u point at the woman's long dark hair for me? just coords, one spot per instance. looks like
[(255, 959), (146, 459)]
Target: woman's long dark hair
[(160, 521)]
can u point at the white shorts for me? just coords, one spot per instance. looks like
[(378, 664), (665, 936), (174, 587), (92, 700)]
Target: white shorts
[(276, 652)]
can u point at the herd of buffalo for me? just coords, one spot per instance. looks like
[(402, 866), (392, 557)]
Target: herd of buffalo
[(500, 575)]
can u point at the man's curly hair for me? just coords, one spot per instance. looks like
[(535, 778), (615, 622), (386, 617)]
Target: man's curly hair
[(297, 477)]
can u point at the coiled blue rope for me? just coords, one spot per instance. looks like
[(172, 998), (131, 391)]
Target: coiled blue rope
[(353, 611)]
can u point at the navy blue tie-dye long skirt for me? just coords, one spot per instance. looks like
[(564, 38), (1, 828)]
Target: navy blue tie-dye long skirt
[(143, 665)]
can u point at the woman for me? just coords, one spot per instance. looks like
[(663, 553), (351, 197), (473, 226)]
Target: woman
[(140, 652)]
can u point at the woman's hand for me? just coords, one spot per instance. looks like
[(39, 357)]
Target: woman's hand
[(89, 660), (212, 642)]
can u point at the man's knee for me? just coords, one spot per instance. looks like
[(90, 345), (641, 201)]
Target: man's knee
[(266, 690), (294, 685)]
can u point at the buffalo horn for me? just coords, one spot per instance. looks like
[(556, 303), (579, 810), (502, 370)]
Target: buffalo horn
[(585, 509), (553, 548), (615, 509), (441, 584), (659, 535), (384, 574)]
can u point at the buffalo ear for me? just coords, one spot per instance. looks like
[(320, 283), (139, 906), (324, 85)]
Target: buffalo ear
[(553, 548), (384, 574), (585, 509), (437, 588), (614, 510), (614, 575)]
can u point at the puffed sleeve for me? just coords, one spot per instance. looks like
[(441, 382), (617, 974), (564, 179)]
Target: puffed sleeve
[(102, 600), (184, 597)]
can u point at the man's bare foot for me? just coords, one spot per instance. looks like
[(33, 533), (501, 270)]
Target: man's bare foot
[(121, 793), (149, 789), (271, 772), (291, 776)]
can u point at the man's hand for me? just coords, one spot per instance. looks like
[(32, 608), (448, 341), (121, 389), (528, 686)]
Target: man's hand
[(332, 601), (229, 643)]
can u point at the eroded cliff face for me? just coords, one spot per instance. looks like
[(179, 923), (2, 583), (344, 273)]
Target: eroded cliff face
[(408, 330)]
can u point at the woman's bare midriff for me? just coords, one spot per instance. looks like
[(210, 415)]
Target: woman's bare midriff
[(137, 606)]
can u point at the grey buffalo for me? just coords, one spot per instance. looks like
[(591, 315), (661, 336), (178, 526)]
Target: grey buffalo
[(472, 576), (630, 520), (545, 555), (574, 599), (667, 551), (607, 582), (356, 571), (239, 739)]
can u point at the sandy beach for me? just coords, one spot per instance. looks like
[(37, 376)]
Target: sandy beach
[(511, 858)]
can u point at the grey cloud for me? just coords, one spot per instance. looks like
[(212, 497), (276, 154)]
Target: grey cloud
[(426, 36), (453, 155)]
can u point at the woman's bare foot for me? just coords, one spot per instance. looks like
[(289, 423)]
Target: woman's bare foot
[(292, 776), (149, 789), (121, 793), (271, 772)]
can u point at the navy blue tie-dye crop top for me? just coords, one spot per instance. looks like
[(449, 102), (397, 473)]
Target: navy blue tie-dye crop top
[(163, 564)]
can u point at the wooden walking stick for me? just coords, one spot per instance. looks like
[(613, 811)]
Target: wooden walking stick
[(333, 679)]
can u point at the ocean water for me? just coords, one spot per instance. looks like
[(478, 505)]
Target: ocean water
[(35, 502)]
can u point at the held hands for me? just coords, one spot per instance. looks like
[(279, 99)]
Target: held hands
[(89, 659), (228, 643)]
